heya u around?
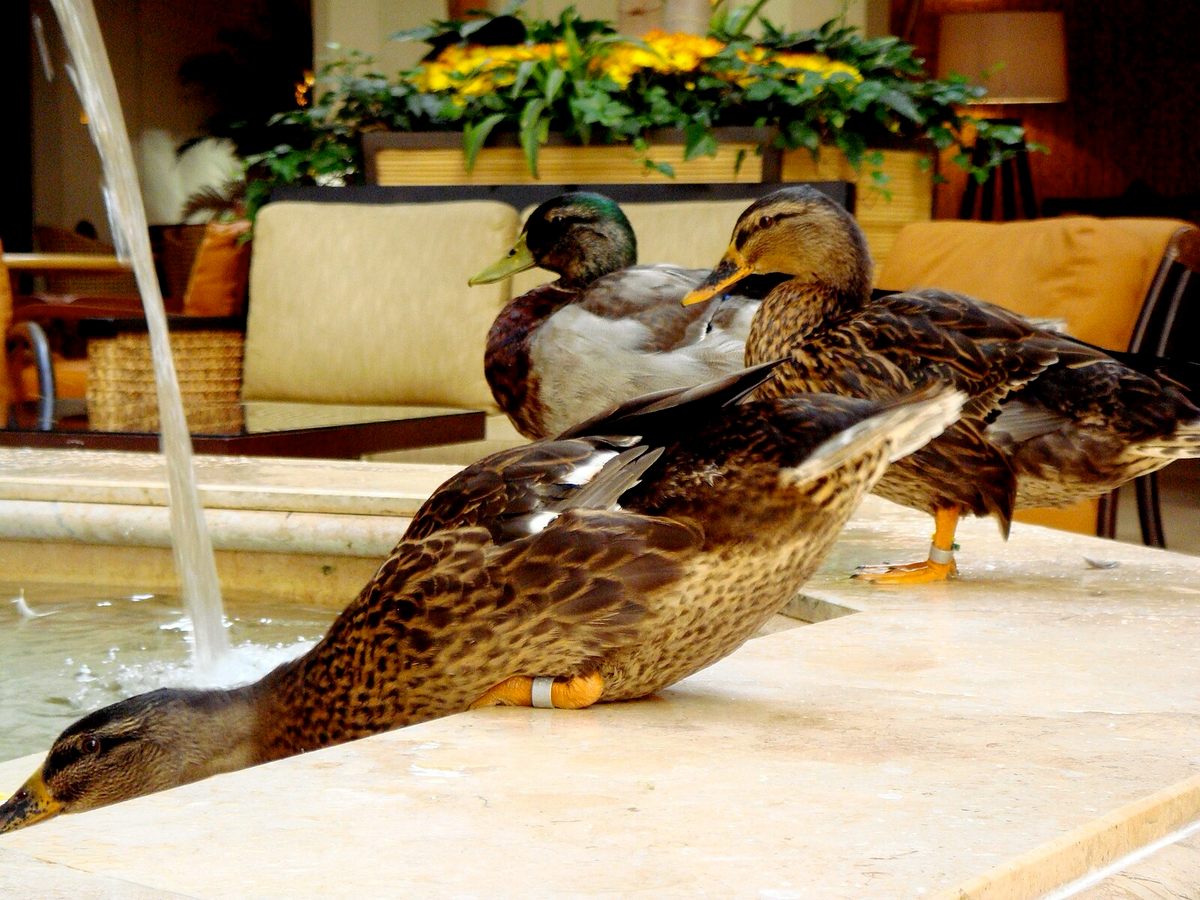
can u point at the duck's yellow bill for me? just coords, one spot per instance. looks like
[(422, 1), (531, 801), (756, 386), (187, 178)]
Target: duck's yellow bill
[(729, 271), (30, 804), (518, 259)]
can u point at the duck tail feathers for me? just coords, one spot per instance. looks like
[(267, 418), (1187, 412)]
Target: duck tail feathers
[(1182, 443), (904, 425)]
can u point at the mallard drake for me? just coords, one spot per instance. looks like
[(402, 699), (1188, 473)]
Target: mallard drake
[(1049, 420), (606, 330), (606, 565)]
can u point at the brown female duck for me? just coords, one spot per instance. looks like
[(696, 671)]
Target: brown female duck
[(606, 330), (639, 548), (1048, 421)]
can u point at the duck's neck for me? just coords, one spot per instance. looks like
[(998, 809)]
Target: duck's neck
[(791, 313), (506, 360), (349, 686), (219, 733)]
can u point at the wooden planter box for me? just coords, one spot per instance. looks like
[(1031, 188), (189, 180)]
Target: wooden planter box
[(406, 158), (399, 158)]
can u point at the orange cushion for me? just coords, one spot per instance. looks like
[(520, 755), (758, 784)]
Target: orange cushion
[(217, 284), (1078, 517), (70, 380), (1092, 273)]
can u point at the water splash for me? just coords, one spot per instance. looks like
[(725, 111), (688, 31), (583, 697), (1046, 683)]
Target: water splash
[(93, 80)]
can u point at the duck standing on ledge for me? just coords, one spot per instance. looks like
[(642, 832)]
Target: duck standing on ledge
[(1049, 420), (643, 546), (607, 330)]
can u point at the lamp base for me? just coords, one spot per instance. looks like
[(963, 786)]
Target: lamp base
[(1012, 179)]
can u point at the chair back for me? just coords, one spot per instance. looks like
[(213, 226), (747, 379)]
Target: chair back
[(369, 303)]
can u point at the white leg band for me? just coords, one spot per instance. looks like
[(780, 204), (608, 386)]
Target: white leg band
[(540, 693), (940, 556)]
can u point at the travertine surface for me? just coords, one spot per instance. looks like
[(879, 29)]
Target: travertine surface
[(992, 737)]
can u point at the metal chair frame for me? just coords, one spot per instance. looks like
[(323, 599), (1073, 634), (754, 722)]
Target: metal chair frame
[(1171, 294)]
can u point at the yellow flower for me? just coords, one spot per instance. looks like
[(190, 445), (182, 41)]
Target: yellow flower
[(815, 62), (470, 70), (801, 63), (666, 54)]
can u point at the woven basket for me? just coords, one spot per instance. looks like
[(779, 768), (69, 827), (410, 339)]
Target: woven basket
[(121, 393)]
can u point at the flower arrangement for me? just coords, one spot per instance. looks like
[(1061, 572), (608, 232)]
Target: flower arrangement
[(507, 73)]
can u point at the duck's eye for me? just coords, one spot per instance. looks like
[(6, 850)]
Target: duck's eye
[(766, 221), (91, 744)]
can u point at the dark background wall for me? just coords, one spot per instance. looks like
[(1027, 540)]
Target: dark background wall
[(1133, 117)]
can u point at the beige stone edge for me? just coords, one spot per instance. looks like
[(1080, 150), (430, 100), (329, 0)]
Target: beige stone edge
[(230, 529), (310, 558), (1088, 848)]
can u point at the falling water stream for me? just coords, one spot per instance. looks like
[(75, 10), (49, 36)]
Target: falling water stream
[(93, 79)]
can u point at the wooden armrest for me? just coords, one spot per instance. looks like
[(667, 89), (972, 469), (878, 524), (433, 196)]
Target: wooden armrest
[(65, 262), (49, 308), (106, 326)]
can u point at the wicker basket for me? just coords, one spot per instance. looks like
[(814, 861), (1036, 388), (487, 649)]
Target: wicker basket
[(121, 394)]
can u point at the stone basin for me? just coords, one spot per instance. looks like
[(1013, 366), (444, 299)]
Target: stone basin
[(999, 736)]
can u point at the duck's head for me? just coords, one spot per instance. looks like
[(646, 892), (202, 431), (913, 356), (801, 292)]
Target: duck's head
[(797, 232), (147, 743), (578, 236)]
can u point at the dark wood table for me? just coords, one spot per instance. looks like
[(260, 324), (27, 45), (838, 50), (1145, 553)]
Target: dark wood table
[(259, 428)]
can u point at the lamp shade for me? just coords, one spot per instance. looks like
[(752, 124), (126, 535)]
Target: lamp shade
[(1022, 53)]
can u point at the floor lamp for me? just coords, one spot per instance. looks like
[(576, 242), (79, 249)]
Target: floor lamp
[(1020, 57)]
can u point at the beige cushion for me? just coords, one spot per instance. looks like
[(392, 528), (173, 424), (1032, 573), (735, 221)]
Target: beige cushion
[(366, 303), (1093, 273), (692, 233)]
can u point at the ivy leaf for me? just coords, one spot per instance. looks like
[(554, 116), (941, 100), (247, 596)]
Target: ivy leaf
[(698, 140), (665, 168), (853, 145), (800, 134), (474, 136), (524, 70), (761, 90), (532, 130), (554, 83), (424, 33), (903, 104), (1005, 134)]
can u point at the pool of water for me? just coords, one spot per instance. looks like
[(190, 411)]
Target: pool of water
[(66, 650)]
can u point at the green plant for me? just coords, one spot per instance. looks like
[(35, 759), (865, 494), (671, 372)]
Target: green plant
[(507, 73)]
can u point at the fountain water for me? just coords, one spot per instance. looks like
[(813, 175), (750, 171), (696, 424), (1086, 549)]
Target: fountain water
[(93, 79)]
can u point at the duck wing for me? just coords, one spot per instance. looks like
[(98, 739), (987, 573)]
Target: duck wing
[(1082, 428), (907, 341), (904, 342), (560, 596), (518, 491), (649, 296), (616, 344)]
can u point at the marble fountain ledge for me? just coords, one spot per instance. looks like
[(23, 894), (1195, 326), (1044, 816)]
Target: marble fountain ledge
[(311, 530), (999, 736)]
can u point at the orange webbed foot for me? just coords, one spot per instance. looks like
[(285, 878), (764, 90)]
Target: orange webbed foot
[(548, 693), (924, 572), (940, 565)]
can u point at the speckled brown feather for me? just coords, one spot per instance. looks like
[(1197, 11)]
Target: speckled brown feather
[(705, 547), (640, 552), (1048, 420), (448, 616)]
